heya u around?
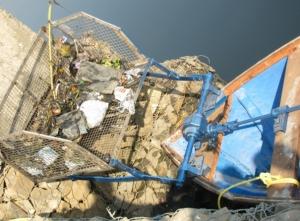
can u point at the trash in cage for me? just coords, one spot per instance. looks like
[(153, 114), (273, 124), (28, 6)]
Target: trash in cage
[(32, 170), (72, 161), (98, 77), (94, 112), (125, 98), (70, 125), (90, 58), (130, 76), (48, 155)]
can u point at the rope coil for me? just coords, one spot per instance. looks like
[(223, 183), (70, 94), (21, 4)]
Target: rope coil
[(267, 178)]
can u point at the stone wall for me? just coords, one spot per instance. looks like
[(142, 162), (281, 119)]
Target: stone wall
[(15, 41), (22, 198)]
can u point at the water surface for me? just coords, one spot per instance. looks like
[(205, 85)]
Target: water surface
[(233, 33)]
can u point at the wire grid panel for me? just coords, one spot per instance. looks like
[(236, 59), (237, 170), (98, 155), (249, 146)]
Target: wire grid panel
[(45, 158), (79, 24), (102, 140), (29, 86)]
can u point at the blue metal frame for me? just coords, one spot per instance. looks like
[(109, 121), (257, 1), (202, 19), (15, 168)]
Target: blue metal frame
[(195, 129)]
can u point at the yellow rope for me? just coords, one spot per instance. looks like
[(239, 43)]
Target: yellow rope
[(234, 186), (50, 46), (266, 178)]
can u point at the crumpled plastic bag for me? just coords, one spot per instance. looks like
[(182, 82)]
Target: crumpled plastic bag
[(98, 77), (47, 155), (125, 97), (130, 74), (94, 112)]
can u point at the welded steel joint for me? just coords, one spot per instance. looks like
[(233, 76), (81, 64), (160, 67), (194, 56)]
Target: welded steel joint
[(281, 117), (195, 126), (195, 129)]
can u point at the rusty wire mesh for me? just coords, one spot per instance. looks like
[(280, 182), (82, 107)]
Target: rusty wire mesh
[(19, 108)]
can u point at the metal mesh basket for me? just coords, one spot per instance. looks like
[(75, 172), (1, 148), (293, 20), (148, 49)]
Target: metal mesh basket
[(18, 109)]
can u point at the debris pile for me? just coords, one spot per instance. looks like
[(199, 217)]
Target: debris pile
[(88, 77), (20, 197)]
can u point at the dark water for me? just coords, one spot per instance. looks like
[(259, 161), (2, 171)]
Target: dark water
[(233, 33)]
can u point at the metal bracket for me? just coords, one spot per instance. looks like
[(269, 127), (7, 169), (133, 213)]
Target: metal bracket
[(280, 122), (211, 99), (196, 166), (279, 114)]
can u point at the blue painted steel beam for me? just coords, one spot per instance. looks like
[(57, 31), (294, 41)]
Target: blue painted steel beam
[(229, 127), (135, 175)]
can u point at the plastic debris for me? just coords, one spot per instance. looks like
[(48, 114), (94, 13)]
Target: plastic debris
[(72, 161), (126, 99), (133, 72), (100, 78), (48, 155), (72, 165), (93, 96), (64, 39), (33, 171), (94, 112), (130, 76), (71, 125)]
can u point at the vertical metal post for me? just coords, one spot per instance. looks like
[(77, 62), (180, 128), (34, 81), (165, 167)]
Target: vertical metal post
[(50, 46), (207, 79)]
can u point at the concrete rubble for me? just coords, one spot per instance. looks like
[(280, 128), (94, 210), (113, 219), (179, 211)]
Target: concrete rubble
[(22, 198)]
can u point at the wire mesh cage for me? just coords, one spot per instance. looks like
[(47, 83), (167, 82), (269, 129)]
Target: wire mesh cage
[(25, 100)]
